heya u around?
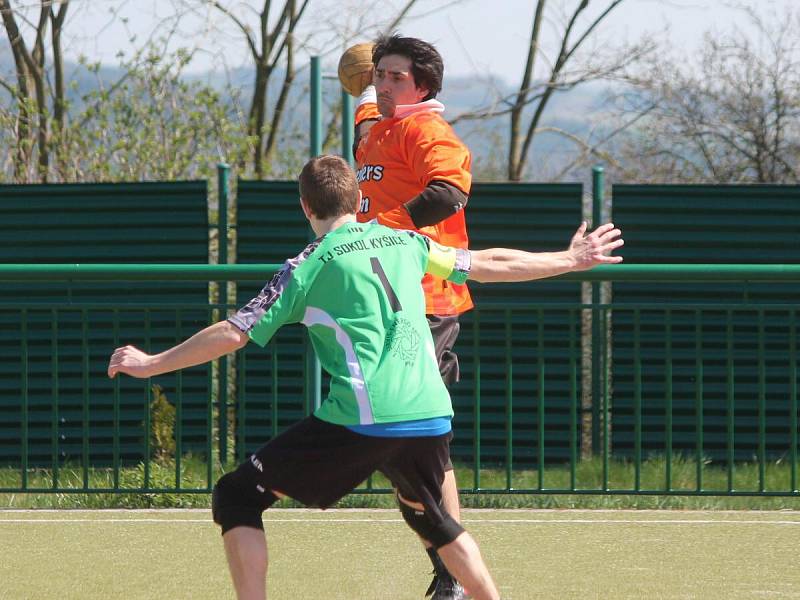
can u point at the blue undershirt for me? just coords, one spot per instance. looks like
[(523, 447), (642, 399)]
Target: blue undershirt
[(418, 428)]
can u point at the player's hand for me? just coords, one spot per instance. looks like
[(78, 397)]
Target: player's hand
[(594, 249), (130, 361)]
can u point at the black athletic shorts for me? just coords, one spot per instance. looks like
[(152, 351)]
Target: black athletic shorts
[(318, 463), (445, 331)]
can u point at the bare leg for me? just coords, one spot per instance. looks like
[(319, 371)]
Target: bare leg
[(464, 561), (246, 550), (450, 495)]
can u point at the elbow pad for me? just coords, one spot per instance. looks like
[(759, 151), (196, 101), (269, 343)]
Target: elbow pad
[(438, 201)]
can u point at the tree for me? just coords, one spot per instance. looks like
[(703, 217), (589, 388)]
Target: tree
[(565, 70), (268, 46), (36, 101), (730, 115), (273, 47), (152, 123), (141, 120)]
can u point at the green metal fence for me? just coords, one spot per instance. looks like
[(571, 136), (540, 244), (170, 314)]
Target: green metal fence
[(524, 215), (530, 444), (722, 224), (93, 223)]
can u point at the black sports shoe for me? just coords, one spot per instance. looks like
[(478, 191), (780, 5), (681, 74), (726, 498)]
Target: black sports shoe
[(444, 587)]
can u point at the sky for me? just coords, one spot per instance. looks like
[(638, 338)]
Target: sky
[(475, 37), (468, 45)]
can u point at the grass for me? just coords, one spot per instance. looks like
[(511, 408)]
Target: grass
[(368, 555), (589, 475)]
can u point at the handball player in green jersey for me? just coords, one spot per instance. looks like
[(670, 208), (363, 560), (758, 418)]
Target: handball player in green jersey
[(357, 290)]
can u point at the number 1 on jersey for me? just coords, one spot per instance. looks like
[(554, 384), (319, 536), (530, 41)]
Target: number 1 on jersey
[(378, 270)]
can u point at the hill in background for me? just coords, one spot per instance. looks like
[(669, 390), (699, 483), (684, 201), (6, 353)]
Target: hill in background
[(576, 112)]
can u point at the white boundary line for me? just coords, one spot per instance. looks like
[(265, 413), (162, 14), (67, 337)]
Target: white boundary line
[(659, 511), (469, 521), (273, 516)]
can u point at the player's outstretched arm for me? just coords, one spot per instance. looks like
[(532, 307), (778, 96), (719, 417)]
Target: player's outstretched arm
[(584, 252), (208, 344)]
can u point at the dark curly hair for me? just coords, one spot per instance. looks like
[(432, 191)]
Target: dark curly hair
[(427, 67)]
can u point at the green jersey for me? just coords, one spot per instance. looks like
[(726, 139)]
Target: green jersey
[(357, 289)]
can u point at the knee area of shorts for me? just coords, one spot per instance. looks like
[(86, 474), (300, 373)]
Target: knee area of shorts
[(436, 533), (233, 504)]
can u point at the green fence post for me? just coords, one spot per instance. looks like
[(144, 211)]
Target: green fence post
[(24, 442), (637, 399), (730, 397), (698, 378), (762, 406), (509, 424), (85, 403), (598, 189), (178, 430), (54, 394), (348, 128), (540, 396), (573, 394), (116, 400), (668, 400), (316, 106), (313, 370), (793, 398), (148, 398), (476, 404), (210, 425), (223, 173)]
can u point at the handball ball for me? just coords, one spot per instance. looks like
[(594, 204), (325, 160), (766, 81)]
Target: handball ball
[(355, 68)]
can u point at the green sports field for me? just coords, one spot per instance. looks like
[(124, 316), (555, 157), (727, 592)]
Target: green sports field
[(359, 554)]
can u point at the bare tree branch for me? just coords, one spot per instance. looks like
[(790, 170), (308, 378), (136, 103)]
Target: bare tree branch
[(733, 111), (596, 148), (399, 17), (521, 100), (563, 57), (288, 79), (245, 29), (59, 100), (8, 87)]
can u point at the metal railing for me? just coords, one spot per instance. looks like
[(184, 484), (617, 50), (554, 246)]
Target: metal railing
[(695, 398)]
